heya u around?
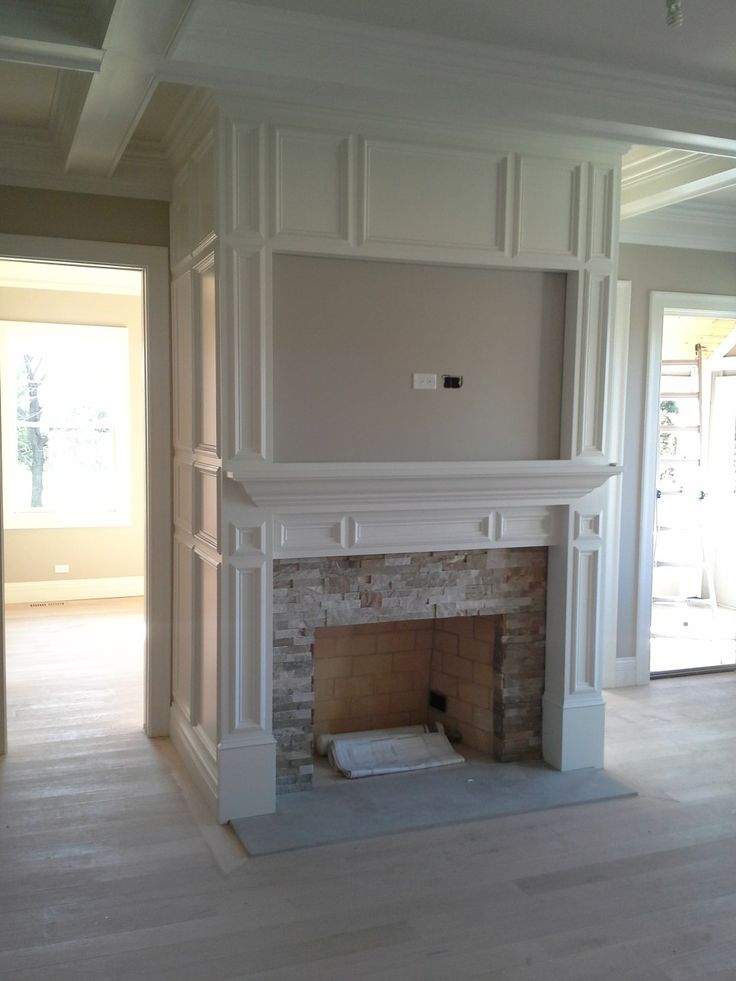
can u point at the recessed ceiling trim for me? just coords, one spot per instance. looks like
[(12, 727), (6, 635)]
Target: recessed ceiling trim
[(48, 54)]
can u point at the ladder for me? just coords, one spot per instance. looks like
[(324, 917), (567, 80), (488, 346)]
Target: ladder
[(680, 546)]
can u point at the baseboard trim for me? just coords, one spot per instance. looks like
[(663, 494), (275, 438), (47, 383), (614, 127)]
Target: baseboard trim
[(626, 674), (198, 759), (73, 589)]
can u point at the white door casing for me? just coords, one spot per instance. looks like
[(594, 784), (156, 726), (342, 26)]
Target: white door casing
[(660, 303)]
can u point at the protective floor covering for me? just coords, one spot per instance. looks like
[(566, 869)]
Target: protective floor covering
[(385, 805)]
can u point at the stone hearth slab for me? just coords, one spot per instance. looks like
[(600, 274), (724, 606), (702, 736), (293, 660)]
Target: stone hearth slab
[(386, 805)]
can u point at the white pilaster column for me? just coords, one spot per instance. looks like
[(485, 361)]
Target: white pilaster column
[(573, 707)]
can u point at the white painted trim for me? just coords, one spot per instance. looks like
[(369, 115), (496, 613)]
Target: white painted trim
[(73, 589), (291, 55), (614, 490), (385, 485), (695, 304), (626, 674), (153, 260), (693, 225), (197, 755)]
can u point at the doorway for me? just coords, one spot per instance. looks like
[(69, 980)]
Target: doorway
[(149, 266), (692, 442)]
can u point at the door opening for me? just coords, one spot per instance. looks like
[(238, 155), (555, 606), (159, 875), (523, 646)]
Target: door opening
[(72, 415), (693, 611), (86, 487)]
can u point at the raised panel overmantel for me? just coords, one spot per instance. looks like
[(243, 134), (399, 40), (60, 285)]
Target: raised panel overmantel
[(394, 485)]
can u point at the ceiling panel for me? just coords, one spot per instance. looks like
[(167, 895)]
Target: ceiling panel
[(26, 94)]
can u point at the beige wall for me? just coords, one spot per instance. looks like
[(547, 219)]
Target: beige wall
[(348, 335), (652, 268), (93, 217), (92, 553)]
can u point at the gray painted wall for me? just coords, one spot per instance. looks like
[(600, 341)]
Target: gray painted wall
[(348, 335)]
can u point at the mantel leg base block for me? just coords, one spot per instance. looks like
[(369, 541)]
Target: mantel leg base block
[(573, 735), (247, 781)]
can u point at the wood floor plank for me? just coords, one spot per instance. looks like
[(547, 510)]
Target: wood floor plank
[(109, 868)]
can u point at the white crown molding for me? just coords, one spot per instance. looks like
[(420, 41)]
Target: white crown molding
[(309, 486), (306, 58), (696, 225)]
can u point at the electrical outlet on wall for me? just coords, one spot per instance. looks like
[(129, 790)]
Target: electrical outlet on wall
[(423, 381), (61, 567)]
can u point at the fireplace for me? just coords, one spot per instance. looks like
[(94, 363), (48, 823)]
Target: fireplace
[(360, 641)]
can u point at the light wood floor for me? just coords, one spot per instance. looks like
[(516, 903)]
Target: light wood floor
[(109, 869)]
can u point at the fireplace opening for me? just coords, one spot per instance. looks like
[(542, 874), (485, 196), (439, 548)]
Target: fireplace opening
[(367, 642), (393, 674)]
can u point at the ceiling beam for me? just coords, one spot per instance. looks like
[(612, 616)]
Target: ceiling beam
[(654, 178), (50, 54), (139, 36)]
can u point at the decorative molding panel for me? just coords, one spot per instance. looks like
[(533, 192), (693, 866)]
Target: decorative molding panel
[(312, 184), (548, 203), (602, 199), (593, 365), (310, 534), (249, 686), (585, 620), (246, 160), (433, 196), (184, 495), (247, 543), (525, 526), (206, 640), (182, 363), (248, 354), (205, 358), (388, 531), (183, 597), (206, 504), (202, 199)]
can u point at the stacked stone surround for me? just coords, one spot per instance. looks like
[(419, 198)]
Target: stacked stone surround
[(353, 590)]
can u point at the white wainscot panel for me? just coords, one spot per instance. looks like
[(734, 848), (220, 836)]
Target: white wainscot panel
[(247, 148), (206, 643), (181, 674), (246, 427), (182, 365), (525, 527), (206, 504), (548, 207), (593, 366), (602, 200), (205, 360), (426, 531), (585, 606), (249, 649), (434, 196), (183, 496), (247, 542), (312, 184), (313, 534), (203, 165)]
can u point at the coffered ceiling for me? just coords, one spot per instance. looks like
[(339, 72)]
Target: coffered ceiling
[(90, 89)]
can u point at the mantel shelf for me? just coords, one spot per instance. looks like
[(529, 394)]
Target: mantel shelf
[(315, 486)]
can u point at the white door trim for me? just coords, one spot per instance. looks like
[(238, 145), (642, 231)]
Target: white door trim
[(153, 260), (660, 303)]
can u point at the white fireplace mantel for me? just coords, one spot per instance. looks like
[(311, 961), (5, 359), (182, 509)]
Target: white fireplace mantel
[(320, 486)]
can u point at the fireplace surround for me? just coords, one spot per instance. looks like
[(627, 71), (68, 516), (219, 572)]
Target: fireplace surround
[(470, 624)]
